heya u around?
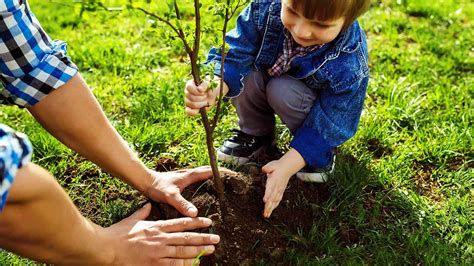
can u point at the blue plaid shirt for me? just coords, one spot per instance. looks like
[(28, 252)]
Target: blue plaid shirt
[(15, 151), (31, 66)]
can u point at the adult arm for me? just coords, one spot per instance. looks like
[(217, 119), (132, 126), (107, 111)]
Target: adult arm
[(40, 222), (37, 74), (72, 115)]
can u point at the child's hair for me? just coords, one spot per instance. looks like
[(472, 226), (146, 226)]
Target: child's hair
[(331, 9)]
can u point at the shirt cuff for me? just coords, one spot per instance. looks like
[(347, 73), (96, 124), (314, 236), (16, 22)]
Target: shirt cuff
[(54, 70), (232, 77), (315, 150)]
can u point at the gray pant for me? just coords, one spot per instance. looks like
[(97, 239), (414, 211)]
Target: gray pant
[(264, 96)]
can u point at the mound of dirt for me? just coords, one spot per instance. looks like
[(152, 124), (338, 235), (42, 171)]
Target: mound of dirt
[(247, 237)]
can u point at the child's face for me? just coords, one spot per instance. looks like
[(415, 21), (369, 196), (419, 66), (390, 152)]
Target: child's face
[(309, 32)]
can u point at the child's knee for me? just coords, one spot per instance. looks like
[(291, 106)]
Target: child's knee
[(286, 95), (254, 83)]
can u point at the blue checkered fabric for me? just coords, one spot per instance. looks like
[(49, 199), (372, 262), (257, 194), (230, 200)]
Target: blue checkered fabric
[(15, 151), (31, 64)]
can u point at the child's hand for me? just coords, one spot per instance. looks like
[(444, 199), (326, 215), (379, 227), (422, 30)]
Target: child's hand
[(279, 173), (197, 97), (277, 180)]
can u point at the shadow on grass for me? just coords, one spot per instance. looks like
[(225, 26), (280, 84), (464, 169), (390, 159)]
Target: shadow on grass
[(365, 221), (356, 218)]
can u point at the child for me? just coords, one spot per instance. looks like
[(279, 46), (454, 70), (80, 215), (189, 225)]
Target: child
[(306, 61)]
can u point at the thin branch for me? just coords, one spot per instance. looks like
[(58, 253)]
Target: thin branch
[(223, 53), (178, 32), (236, 8), (60, 3), (109, 9), (160, 19), (176, 10), (197, 39), (180, 28)]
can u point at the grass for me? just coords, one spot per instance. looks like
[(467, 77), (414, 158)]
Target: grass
[(403, 189)]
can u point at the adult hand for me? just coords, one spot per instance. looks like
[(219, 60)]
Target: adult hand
[(139, 242), (61, 235), (167, 187), (92, 136)]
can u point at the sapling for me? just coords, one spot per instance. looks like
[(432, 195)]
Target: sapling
[(226, 10)]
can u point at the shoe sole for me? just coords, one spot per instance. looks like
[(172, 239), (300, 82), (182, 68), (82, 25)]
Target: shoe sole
[(312, 177), (234, 160), (317, 177), (231, 159)]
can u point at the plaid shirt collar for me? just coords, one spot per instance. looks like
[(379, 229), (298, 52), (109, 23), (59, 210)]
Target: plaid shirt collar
[(291, 50)]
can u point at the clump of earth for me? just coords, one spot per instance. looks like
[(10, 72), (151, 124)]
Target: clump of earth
[(246, 236)]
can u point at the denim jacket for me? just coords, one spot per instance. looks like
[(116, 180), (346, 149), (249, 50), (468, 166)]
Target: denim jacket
[(337, 72)]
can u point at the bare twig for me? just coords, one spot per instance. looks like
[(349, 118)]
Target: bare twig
[(223, 53), (180, 29), (197, 41), (179, 32), (176, 10), (239, 4), (59, 3), (229, 14)]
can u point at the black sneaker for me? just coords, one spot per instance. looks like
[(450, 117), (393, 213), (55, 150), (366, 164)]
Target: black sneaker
[(318, 175), (242, 147)]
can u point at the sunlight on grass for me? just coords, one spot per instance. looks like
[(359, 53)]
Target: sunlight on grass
[(402, 192)]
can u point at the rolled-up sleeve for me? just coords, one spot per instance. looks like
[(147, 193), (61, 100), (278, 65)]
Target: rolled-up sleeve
[(31, 64), (15, 151)]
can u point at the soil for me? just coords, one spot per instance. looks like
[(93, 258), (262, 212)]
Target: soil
[(424, 183), (247, 237), (378, 149)]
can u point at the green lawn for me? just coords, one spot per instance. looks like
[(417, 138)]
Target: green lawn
[(403, 190)]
